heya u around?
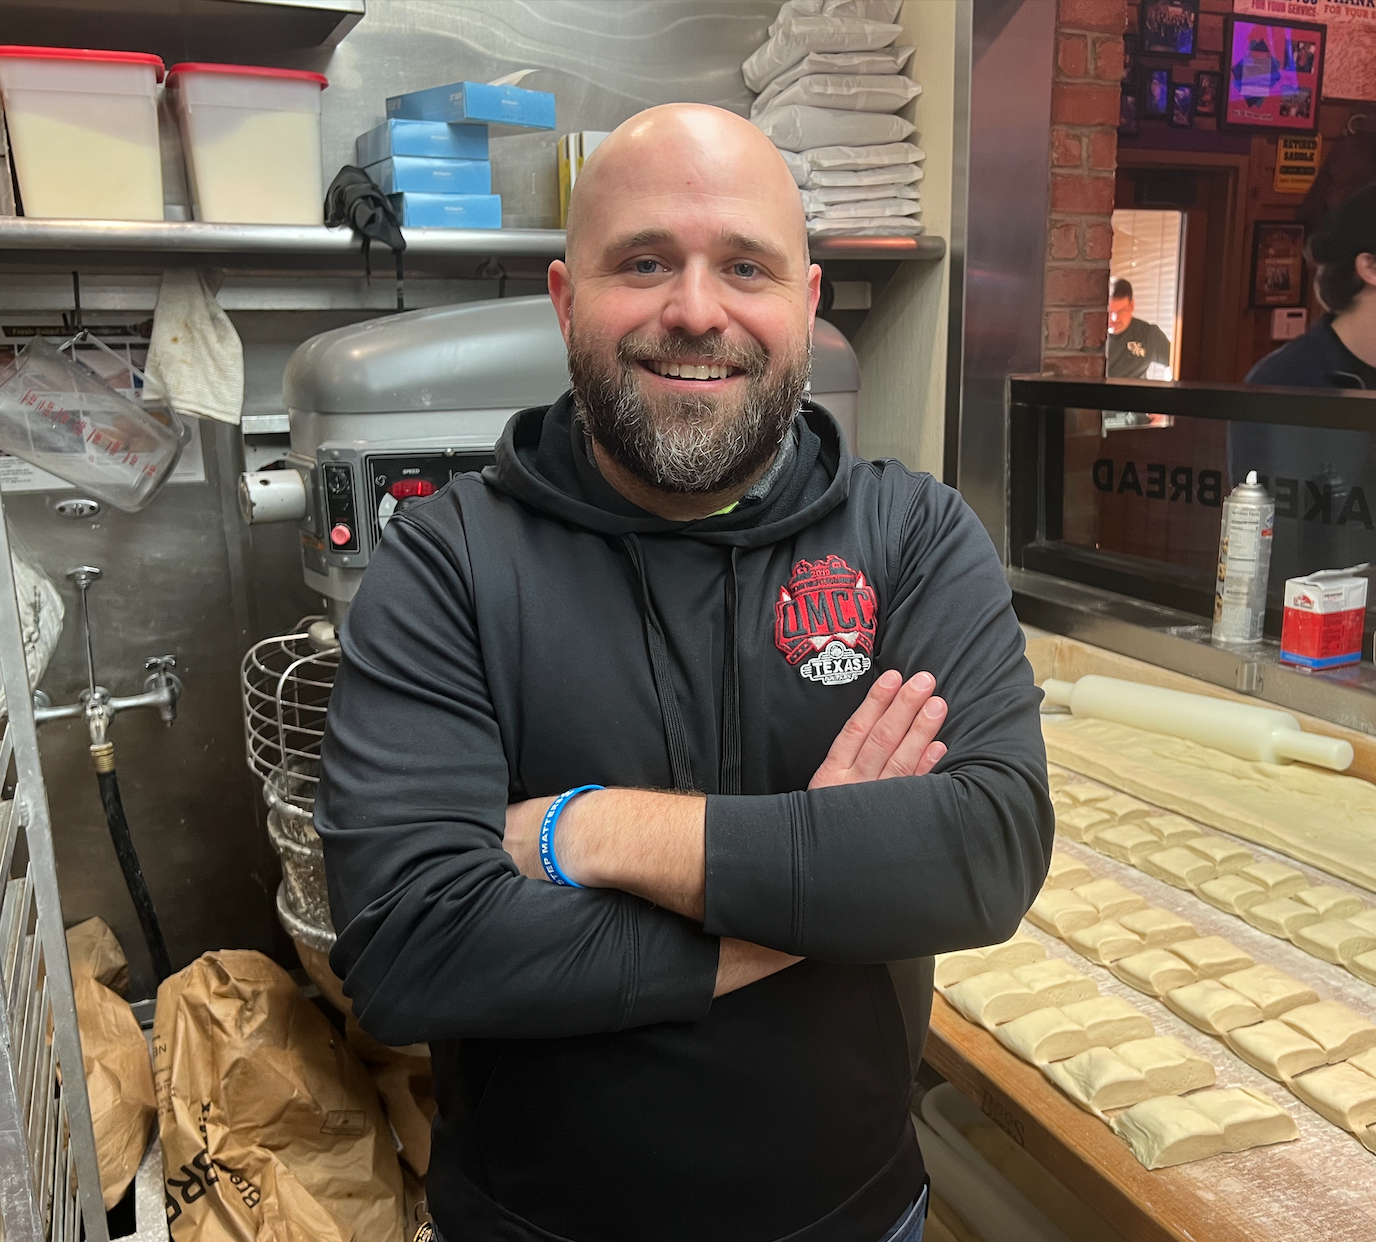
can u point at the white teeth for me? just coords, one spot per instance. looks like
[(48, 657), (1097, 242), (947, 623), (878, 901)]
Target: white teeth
[(673, 368), (689, 371)]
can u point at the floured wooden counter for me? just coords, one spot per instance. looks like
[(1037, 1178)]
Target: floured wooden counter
[(1322, 1187)]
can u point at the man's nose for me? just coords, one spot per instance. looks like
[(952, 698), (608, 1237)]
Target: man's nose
[(695, 306)]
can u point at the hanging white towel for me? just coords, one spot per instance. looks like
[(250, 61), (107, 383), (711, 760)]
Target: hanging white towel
[(195, 354)]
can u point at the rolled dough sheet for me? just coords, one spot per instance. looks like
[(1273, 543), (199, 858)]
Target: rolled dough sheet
[(1335, 940), (1281, 918), (1211, 956), (1270, 990), (1061, 911), (1066, 872), (1110, 898), (1110, 1020), (1228, 857), (1157, 927), (1154, 971), (1330, 902), (1313, 815), (1338, 1030), (992, 997), (1249, 1118), (1277, 1050), (1169, 1066), (1126, 842), (1043, 1036), (1099, 1079), (1180, 866), (1105, 942), (1276, 878), (1342, 1094), (1231, 893), (1169, 1131), (1082, 823), (1018, 950), (1054, 982), (1170, 829)]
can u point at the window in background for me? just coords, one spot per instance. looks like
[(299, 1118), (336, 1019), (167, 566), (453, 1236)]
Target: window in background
[(1147, 247)]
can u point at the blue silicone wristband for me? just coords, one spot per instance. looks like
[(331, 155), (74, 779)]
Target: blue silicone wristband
[(547, 826)]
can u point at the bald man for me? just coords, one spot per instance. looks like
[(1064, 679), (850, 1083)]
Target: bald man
[(633, 800)]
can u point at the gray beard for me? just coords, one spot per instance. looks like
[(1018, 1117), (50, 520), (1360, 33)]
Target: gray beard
[(687, 446)]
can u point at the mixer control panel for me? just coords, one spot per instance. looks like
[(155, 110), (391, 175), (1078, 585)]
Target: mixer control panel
[(341, 510), (398, 480)]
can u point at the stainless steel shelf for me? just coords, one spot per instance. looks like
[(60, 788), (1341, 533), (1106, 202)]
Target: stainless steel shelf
[(922, 249)]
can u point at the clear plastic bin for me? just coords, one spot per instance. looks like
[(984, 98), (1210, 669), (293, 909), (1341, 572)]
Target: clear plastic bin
[(61, 417), (252, 142), (84, 131)]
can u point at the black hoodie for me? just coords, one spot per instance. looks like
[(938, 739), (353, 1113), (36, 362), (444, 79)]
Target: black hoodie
[(530, 630)]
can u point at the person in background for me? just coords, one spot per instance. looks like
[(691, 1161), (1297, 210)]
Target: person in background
[(1133, 344), (1339, 351)]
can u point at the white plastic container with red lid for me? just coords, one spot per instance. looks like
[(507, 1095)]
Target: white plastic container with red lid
[(84, 131), (252, 142)]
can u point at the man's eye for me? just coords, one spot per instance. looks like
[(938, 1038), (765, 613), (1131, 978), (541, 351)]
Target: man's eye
[(744, 270), (646, 267)]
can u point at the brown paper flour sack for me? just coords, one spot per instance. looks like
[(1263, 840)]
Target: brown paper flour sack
[(271, 1129), (119, 1077)]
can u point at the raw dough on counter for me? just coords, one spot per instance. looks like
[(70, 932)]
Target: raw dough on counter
[(1276, 878), (1309, 813), (1059, 912), (1110, 1021), (1330, 902), (1043, 1036), (1282, 917), (1170, 829), (1158, 927), (1277, 1050), (1342, 1094), (953, 968), (992, 997), (1249, 1119), (1124, 809), (1054, 982), (1231, 893), (1364, 966), (1180, 866), (1211, 956), (1066, 872), (1126, 842), (1018, 950), (1365, 1061), (1212, 1007), (1154, 971), (1366, 920), (1339, 1031), (1082, 823), (1228, 857), (1110, 898), (1270, 990), (1335, 940), (1099, 1079), (1168, 1131), (1105, 942), (1170, 1067), (1082, 793)]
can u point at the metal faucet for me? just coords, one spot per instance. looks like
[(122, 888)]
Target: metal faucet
[(161, 688)]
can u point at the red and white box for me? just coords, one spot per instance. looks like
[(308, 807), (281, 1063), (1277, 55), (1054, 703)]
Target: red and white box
[(1323, 619)]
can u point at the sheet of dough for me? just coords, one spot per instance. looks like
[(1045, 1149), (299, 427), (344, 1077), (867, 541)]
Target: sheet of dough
[(1281, 918), (1270, 990), (1211, 956), (1154, 971), (1330, 902), (1277, 1050), (1180, 866), (1227, 856), (1168, 1131), (1126, 842), (1341, 1094), (992, 997), (1169, 1066), (953, 968), (1043, 1036), (1105, 942), (1335, 940), (1018, 950), (1170, 829), (1271, 804), (1231, 893), (1110, 1020), (1276, 878), (1212, 1007), (1055, 982), (1338, 1030), (1061, 911), (1066, 872), (1081, 823), (1124, 809), (1158, 927), (1099, 1079), (1110, 898), (1249, 1118)]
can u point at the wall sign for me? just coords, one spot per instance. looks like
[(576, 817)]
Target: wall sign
[(1297, 163), (1330, 12), (1272, 71), (1277, 263)]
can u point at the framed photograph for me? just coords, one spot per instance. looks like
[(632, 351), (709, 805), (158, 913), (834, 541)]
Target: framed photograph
[(1208, 89), (1169, 27), (1127, 113), (1277, 263), (1132, 48), (1272, 75), (1182, 105), (1156, 92)]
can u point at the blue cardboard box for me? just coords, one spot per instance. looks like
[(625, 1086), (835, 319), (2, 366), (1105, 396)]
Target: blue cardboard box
[(414, 174), (433, 139), (448, 211), (476, 101)]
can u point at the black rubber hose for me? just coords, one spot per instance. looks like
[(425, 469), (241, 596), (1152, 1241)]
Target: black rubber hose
[(133, 872)]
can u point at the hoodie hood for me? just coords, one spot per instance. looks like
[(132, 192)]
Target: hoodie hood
[(542, 460)]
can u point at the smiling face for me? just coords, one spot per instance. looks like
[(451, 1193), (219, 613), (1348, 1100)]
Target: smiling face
[(686, 299)]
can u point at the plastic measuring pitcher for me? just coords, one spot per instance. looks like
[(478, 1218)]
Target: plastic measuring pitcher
[(61, 417)]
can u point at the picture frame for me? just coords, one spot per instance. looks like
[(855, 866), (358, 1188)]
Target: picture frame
[(1168, 27), (1127, 114), (1272, 74), (1156, 93), (1132, 49), (1208, 90), (1182, 105), (1277, 263)]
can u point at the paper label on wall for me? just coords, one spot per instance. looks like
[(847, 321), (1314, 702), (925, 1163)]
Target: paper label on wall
[(1297, 163), (1326, 12), (17, 475)]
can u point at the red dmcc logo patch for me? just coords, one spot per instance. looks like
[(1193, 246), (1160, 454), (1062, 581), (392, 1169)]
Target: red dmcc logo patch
[(824, 602)]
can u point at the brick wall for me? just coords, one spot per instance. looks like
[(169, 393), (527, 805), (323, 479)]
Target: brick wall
[(1084, 155)]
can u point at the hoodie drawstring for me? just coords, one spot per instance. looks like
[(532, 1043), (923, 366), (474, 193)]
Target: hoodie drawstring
[(670, 710)]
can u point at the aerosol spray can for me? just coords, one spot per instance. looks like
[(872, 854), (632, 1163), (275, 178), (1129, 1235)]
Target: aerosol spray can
[(1244, 560)]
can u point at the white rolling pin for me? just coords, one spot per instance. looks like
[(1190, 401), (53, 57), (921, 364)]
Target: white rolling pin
[(1257, 733)]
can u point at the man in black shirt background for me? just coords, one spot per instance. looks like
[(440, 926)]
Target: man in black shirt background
[(1133, 344)]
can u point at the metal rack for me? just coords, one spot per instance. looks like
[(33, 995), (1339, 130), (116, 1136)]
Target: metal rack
[(49, 1177)]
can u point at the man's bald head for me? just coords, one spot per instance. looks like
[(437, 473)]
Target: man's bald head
[(686, 150)]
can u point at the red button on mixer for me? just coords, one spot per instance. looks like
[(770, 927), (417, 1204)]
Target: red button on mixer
[(404, 489), (340, 535)]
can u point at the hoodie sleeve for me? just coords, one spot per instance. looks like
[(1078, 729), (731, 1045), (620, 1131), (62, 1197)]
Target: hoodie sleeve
[(440, 936), (909, 866)]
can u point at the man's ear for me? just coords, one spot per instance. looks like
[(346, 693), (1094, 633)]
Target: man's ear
[(1366, 268), (814, 294), (561, 294)]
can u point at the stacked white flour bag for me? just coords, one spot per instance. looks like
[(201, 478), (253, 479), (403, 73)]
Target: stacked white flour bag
[(830, 80)]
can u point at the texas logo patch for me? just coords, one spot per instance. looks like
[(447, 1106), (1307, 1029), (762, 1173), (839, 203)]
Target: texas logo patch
[(825, 620)]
